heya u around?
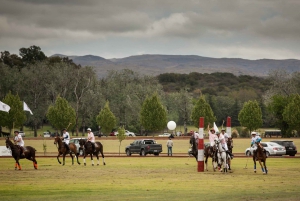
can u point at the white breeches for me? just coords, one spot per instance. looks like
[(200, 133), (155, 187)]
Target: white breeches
[(225, 146)]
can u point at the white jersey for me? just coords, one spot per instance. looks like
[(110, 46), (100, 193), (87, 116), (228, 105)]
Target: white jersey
[(91, 137), (19, 140), (66, 137)]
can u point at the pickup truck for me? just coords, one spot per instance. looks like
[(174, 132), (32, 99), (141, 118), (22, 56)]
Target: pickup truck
[(143, 147)]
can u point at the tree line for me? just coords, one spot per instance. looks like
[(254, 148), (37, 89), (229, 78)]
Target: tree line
[(41, 81)]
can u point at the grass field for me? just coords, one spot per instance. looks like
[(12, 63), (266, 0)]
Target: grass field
[(148, 178)]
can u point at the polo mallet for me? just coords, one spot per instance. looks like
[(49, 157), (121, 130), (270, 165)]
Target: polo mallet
[(68, 126), (247, 160)]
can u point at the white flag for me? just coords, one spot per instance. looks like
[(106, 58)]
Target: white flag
[(26, 108), (4, 107), (216, 128)]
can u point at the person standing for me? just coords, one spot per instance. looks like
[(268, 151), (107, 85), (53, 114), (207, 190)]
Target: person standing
[(170, 146), (20, 142), (91, 138), (66, 139)]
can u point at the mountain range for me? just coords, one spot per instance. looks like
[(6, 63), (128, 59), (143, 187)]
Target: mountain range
[(151, 64)]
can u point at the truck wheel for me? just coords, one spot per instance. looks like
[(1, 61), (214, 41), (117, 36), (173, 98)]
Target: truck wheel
[(128, 152), (156, 154), (143, 153)]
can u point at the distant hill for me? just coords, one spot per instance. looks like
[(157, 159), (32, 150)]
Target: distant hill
[(158, 64)]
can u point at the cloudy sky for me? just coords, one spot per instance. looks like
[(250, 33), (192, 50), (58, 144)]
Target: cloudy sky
[(249, 29)]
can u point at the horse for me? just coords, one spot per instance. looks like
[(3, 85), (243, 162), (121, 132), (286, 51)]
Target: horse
[(211, 152), (261, 158), (222, 156), (207, 153), (230, 147), (62, 150), (87, 147), (29, 153), (194, 147)]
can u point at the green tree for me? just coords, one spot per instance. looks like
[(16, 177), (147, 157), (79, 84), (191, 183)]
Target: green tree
[(106, 119), (251, 116), (291, 113), (153, 115), (276, 107), (16, 117), (32, 54), (61, 114), (121, 136), (202, 109)]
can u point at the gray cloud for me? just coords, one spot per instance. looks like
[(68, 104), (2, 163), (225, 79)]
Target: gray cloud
[(241, 27)]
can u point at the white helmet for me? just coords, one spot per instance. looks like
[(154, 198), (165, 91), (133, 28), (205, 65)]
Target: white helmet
[(253, 133), (89, 129)]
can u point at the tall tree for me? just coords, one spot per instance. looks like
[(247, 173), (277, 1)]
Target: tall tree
[(276, 107), (251, 116), (32, 54), (202, 109), (34, 91), (291, 113), (16, 116), (61, 114), (83, 82), (153, 115), (106, 119)]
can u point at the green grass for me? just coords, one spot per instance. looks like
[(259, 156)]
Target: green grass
[(148, 178)]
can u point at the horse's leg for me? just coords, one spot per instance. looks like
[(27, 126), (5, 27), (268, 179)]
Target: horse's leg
[(72, 157), (262, 168), (225, 156), (92, 159), (77, 156), (101, 151), (64, 156), (84, 155), (266, 169), (97, 155), (206, 157), (58, 158)]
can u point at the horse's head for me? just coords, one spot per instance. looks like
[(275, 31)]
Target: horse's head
[(217, 141), (7, 142), (82, 142), (57, 140), (230, 143)]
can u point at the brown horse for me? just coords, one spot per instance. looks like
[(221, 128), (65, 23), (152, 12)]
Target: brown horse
[(207, 153), (29, 153), (62, 150), (261, 157), (211, 152), (88, 149)]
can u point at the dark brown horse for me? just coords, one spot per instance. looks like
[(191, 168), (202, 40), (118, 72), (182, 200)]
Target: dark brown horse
[(88, 149), (62, 150), (211, 152), (261, 157), (194, 147), (207, 153), (29, 153)]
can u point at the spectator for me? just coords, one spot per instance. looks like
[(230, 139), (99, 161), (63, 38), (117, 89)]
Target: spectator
[(170, 146)]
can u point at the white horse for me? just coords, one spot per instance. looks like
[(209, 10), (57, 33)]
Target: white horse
[(222, 156)]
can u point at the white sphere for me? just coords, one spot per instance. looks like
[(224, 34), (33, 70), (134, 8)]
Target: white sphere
[(171, 125)]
